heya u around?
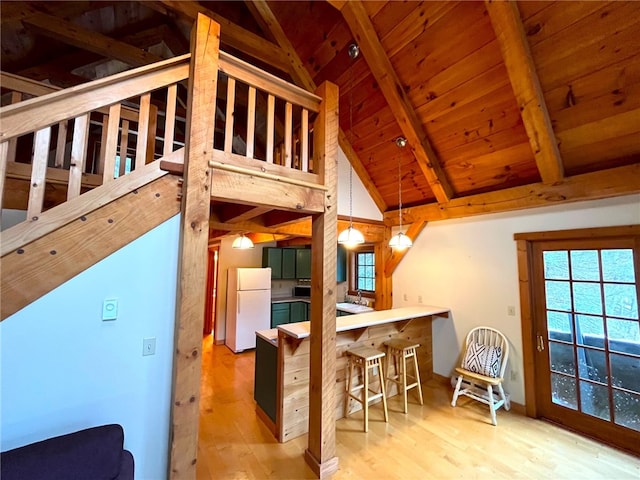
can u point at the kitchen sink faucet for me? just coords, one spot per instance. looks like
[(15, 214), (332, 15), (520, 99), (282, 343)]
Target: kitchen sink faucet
[(359, 297)]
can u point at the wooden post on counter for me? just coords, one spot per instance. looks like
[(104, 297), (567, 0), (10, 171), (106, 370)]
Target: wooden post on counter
[(321, 451)]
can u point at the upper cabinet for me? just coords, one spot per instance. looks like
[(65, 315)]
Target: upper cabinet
[(295, 263), (303, 263), (272, 257), (341, 264), (287, 263)]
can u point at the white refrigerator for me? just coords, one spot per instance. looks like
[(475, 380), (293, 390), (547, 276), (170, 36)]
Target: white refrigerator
[(248, 306)]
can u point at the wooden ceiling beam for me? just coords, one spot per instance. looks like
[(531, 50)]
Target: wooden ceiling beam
[(234, 213), (71, 34), (301, 76), (514, 46), (231, 34), (396, 256), (608, 183), (373, 231), (364, 32), (279, 217)]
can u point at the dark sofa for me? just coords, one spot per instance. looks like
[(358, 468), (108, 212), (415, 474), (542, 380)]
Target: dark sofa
[(95, 453)]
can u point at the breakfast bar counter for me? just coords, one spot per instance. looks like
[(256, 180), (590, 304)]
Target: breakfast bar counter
[(371, 329)]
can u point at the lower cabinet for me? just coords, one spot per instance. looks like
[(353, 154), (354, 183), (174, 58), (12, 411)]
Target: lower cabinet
[(340, 313), (265, 381), (279, 314), (298, 312), (289, 312)]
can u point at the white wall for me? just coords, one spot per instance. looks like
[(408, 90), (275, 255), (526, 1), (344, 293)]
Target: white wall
[(228, 258), (64, 369), (470, 265), (363, 205)]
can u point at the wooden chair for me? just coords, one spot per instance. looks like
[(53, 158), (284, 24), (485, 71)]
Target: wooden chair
[(400, 351), (365, 358), (483, 365)]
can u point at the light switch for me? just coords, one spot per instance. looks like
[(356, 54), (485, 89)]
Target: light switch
[(110, 309)]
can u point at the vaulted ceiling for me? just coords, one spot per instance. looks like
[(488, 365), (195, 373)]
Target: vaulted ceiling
[(504, 105)]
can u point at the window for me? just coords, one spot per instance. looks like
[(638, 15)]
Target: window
[(363, 270)]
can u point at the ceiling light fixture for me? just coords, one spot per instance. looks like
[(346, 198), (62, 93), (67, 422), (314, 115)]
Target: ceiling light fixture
[(242, 243), (351, 236), (400, 241)]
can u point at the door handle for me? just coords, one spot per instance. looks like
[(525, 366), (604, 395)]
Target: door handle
[(540, 343)]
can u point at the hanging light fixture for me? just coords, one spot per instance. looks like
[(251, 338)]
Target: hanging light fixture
[(400, 241), (351, 236), (242, 243)]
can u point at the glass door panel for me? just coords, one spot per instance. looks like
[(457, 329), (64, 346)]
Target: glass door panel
[(592, 332)]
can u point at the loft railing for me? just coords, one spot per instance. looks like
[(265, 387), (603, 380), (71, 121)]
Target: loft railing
[(105, 134)]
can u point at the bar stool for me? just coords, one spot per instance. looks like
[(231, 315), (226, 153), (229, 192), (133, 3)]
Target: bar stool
[(400, 350), (365, 358)]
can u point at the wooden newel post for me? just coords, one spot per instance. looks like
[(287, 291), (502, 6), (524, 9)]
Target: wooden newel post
[(192, 267), (321, 452)]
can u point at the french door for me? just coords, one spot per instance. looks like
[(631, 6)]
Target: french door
[(587, 336)]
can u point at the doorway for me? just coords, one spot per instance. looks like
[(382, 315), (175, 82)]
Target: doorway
[(210, 313), (585, 330)]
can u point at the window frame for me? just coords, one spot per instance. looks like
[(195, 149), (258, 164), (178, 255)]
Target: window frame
[(353, 270)]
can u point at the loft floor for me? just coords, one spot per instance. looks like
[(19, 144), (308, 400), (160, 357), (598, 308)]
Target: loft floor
[(431, 441)]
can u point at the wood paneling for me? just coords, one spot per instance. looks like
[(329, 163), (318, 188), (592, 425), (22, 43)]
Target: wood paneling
[(294, 359)]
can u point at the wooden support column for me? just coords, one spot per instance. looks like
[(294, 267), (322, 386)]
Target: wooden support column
[(321, 451), (384, 286), (192, 268)]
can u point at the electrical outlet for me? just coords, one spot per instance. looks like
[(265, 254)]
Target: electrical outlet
[(148, 346), (419, 298), (513, 376), (405, 297), (511, 311)]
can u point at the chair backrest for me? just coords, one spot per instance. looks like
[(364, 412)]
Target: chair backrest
[(491, 337)]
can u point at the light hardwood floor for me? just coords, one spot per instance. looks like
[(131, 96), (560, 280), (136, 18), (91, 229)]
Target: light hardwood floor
[(433, 441)]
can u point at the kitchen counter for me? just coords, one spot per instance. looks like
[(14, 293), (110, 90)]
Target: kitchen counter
[(290, 299), (290, 399), (363, 320), (270, 335)]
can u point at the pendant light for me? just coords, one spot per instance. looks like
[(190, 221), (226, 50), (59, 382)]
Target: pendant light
[(400, 241), (351, 236), (242, 243)]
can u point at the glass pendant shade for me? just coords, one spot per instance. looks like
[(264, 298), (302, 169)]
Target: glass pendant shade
[(242, 243), (350, 237), (400, 242)]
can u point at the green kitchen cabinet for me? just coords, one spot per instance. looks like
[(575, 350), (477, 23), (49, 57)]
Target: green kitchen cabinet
[(272, 257), (289, 263), (265, 381), (280, 314), (303, 263), (298, 312), (341, 264)]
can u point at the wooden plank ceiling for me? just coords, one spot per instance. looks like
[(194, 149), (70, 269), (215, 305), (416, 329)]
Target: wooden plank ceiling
[(549, 102)]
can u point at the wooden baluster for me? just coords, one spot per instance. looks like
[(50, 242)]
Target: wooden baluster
[(170, 119), (111, 143), (124, 143), (61, 144), (13, 143), (78, 155), (143, 130), (251, 121), (38, 172), (4, 158), (103, 144), (271, 114), (151, 134), (304, 140), (288, 127), (231, 100)]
